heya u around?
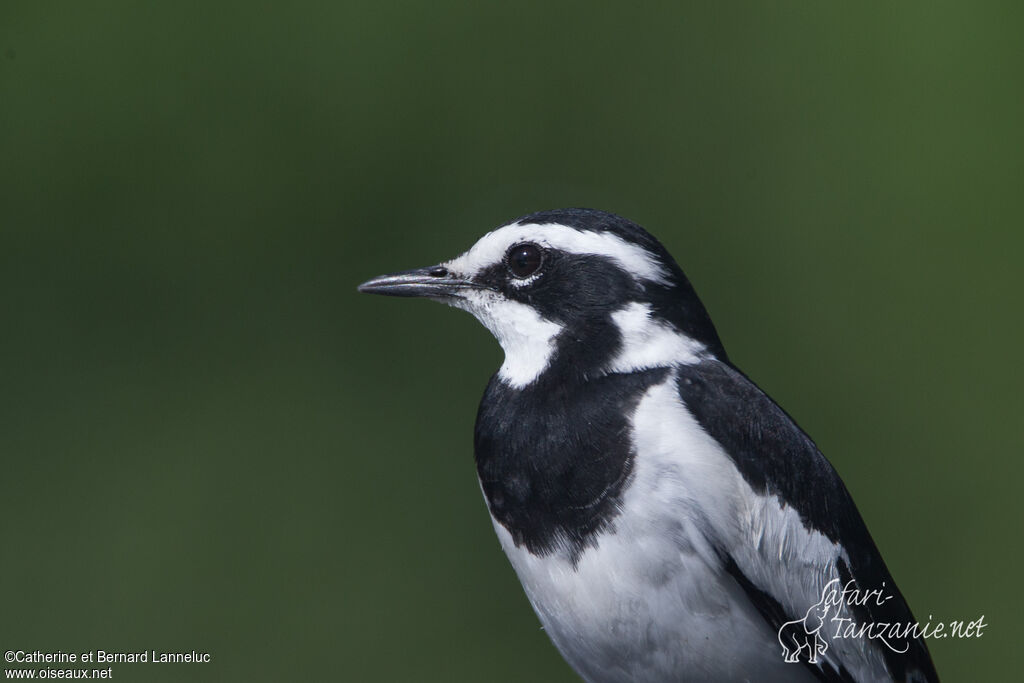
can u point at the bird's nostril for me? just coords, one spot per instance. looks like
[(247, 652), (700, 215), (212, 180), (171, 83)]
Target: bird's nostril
[(437, 271)]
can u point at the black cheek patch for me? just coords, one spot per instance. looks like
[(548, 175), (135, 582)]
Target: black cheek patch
[(569, 288), (573, 288), (579, 292)]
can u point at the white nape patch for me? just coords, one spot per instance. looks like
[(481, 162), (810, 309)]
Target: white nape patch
[(491, 248), (527, 339), (649, 343)]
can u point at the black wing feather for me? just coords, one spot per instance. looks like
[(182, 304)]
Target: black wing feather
[(776, 457)]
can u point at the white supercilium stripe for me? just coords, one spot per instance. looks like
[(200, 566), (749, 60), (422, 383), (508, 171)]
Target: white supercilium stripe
[(490, 249)]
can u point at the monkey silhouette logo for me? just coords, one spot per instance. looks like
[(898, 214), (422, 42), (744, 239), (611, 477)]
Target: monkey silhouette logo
[(798, 634)]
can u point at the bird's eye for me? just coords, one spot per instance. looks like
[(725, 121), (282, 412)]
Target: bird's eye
[(523, 259)]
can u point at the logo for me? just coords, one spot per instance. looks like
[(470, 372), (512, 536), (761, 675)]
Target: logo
[(800, 634), (828, 620)]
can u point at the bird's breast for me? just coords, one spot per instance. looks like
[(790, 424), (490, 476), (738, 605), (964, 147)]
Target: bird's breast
[(553, 461), (646, 598)]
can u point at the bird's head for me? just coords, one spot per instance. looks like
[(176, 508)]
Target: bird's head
[(570, 294)]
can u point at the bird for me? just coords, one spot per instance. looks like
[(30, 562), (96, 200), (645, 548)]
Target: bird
[(667, 520)]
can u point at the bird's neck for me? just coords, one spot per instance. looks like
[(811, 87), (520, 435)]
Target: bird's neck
[(539, 351)]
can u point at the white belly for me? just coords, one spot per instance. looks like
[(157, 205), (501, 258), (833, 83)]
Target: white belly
[(634, 611)]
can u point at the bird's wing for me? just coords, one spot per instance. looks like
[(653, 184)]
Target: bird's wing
[(801, 534)]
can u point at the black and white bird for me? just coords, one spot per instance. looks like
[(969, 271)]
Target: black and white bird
[(668, 521)]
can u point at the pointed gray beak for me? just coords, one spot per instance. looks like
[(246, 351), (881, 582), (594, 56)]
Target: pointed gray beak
[(432, 282)]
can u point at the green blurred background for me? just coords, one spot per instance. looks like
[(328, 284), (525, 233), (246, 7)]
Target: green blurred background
[(209, 441)]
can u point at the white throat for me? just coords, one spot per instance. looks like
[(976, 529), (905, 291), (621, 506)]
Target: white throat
[(527, 338)]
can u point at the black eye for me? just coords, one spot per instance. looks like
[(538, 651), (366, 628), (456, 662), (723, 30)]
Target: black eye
[(523, 259)]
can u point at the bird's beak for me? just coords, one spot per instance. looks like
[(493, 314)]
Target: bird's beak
[(432, 282)]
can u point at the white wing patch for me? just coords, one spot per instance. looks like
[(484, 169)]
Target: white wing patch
[(491, 248), (766, 538)]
